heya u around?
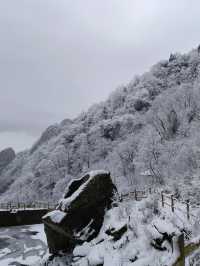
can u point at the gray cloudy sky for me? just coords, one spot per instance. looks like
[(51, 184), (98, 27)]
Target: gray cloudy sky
[(57, 57)]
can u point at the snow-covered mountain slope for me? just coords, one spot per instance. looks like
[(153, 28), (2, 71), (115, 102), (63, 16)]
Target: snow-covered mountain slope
[(149, 125)]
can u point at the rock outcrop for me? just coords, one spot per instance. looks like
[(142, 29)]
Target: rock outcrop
[(6, 157), (79, 215)]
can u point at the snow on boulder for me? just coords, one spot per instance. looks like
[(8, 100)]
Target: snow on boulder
[(55, 216), (79, 215)]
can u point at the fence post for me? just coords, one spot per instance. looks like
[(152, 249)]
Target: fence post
[(181, 245), (162, 198), (172, 203), (135, 194), (188, 209)]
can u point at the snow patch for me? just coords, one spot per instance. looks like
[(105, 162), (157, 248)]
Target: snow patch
[(56, 216)]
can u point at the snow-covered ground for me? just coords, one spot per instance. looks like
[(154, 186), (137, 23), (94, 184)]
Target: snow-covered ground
[(145, 221), (22, 245)]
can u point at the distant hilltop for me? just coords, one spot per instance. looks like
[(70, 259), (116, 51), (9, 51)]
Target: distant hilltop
[(6, 156)]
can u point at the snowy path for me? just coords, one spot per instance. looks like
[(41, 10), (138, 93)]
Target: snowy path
[(22, 245)]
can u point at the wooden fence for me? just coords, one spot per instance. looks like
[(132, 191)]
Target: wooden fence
[(171, 201), (137, 194), (25, 206), (165, 199)]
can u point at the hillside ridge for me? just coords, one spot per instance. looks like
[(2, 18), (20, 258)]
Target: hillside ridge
[(150, 124)]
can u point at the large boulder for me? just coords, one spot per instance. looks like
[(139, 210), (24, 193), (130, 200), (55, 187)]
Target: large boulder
[(79, 215), (6, 157)]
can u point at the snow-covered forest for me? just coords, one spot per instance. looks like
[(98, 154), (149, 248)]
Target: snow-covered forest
[(145, 133)]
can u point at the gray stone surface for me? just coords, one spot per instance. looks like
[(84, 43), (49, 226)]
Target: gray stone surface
[(84, 212)]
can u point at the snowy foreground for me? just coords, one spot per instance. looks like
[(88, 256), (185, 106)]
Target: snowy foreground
[(22, 245), (140, 224), (144, 221)]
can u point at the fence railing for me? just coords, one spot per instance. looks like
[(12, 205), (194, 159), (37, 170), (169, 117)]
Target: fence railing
[(172, 203), (166, 200), (25, 206), (137, 194)]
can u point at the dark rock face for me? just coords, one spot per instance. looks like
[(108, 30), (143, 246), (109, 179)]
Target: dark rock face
[(117, 234), (6, 157), (80, 214), (141, 105), (165, 237)]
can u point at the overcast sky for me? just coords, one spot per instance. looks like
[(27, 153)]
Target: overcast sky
[(57, 57)]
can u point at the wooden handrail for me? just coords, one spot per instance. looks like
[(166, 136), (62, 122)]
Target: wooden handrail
[(24, 205)]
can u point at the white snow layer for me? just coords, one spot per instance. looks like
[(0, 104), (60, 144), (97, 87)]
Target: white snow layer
[(56, 216), (134, 247)]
